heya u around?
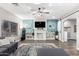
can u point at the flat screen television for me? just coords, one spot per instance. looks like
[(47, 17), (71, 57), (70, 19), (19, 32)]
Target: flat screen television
[(39, 24)]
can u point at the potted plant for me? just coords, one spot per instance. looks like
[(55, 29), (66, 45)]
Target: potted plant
[(56, 35), (23, 34)]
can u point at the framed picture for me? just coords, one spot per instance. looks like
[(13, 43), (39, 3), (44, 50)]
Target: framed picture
[(74, 28)]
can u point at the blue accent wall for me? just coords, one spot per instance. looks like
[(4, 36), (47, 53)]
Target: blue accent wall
[(52, 25), (29, 25)]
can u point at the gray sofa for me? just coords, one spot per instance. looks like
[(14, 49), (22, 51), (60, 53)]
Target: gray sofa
[(6, 50)]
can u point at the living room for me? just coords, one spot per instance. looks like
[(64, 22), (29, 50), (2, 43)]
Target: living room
[(28, 27)]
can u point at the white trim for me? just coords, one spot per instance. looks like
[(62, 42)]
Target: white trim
[(61, 40), (50, 38), (77, 48)]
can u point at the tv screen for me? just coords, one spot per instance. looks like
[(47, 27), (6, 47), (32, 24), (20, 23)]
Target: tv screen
[(39, 24)]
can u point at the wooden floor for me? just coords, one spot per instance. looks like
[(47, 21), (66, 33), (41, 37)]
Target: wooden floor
[(70, 46)]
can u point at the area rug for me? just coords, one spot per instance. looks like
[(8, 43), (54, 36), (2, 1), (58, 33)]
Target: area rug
[(38, 50)]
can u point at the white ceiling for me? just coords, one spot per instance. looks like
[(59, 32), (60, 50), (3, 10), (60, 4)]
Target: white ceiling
[(57, 10)]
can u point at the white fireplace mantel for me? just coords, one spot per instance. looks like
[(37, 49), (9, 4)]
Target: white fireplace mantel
[(40, 34)]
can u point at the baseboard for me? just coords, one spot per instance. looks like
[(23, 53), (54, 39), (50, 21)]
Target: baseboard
[(61, 40)]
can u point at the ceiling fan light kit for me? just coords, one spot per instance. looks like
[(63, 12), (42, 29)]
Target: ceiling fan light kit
[(40, 11)]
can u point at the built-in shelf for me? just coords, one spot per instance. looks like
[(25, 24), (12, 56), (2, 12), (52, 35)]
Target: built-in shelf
[(29, 36), (50, 35)]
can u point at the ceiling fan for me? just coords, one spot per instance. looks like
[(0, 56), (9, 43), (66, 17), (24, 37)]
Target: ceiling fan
[(40, 11), (15, 4)]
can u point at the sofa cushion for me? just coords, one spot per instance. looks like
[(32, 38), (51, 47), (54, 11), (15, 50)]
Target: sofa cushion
[(4, 54), (4, 42), (8, 45), (2, 50), (8, 49), (11, 39)]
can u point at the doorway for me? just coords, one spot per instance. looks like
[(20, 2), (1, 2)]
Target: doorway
[(70, 31)]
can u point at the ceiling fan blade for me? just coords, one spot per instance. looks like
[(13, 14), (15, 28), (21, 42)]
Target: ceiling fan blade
[(46, 12), (33, 10)]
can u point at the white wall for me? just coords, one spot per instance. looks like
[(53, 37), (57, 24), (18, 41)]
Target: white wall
[(0, 29), (59, 29), (74, 16), (5, 15), (78, 31), (72, 34)]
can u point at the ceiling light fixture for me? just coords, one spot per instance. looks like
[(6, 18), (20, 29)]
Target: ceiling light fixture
[(41, 11)]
